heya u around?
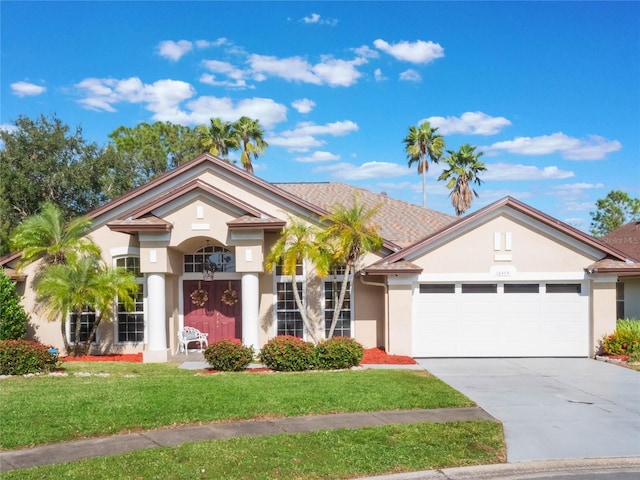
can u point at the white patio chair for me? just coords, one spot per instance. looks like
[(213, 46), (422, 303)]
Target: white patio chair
[(187, 335)]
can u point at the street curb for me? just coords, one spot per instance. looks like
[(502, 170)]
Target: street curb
[(522, 470)]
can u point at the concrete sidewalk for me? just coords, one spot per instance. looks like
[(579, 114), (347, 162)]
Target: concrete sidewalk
[(170, 437)]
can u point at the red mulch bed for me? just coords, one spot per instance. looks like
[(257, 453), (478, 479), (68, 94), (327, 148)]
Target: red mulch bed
[(116, 357), (371, 356), (380, 357)]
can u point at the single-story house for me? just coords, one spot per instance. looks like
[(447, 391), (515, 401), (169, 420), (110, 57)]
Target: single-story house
[(627, 240), (505, 281)]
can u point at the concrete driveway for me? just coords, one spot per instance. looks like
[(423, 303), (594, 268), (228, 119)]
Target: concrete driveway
[(552, 408)]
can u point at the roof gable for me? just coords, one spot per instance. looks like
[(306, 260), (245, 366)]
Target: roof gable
[(509, 205)]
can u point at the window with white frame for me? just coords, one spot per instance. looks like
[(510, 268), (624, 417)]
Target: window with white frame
[(87, 319), (288, 317), (220, 258), (130, 324), (331, 295)]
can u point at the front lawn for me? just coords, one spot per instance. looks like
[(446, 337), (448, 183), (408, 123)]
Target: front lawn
[(48, 409)]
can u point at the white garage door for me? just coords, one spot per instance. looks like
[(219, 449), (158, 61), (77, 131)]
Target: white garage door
[(501, 320)]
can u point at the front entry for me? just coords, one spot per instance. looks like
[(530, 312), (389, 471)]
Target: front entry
[(214, 307)]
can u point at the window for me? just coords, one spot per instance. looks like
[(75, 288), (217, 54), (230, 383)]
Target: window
[(479, 288), (437, 288), (87, 320), (289, 320), (521, 288), (564, 288), (130, 325), (331, 295), (222, 259), (619, 300)]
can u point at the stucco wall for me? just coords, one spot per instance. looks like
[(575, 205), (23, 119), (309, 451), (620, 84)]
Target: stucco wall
[(603, 311)]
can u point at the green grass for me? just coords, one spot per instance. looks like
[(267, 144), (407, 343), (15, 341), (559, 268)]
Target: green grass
[(321, 455), (45, 409)]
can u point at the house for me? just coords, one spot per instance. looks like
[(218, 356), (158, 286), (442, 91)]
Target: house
[(627, 240), (507, 280)]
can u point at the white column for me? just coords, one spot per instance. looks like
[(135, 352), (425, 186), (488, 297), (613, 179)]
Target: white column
[(250, 310), (157, 342)]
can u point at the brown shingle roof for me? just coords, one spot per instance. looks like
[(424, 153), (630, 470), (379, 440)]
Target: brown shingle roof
[(626, 239), (400, 222)]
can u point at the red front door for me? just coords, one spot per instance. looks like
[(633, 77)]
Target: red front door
[(210, 314)]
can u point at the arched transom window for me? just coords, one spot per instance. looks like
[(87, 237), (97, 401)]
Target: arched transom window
[(220, 258)]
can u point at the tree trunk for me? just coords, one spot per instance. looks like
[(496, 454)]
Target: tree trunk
[(92, 335), (63, 330), (424, 182), (338, 305), (303, 311)]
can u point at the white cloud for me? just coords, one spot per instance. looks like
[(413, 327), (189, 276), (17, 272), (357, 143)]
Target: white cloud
[(414, 52), (303, 136), (210, 79), (302, 143), (267, 111), (303, 105), (165, 98), (377, 74), (8, 127), (27, 89), (330, 71), (410, 76), (508, 171), (317, 19), (592, 148), (368, 170), (174, 50), (471, 123), (335, 129), (318, 156), (574, 190), (207, 43), (236, 74), (366, 51)]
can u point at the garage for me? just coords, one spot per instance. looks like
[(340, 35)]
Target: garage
[(501, 319)]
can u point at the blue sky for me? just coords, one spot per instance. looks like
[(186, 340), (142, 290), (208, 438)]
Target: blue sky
[(549, 91)]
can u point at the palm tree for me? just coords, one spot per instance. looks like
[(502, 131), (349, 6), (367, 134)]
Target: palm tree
[(81, 283), (218, 138), (249, 135), (46, 236), (297, 243), (422, 143), (463, 170), (349, 234)]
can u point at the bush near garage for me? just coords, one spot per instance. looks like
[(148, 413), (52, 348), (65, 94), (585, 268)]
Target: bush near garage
[(228, 355), (337, 353), (286, 353), (625, 340), (13, 318), (20, 357)]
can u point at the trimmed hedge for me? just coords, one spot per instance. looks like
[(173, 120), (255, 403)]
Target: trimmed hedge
[(228, 355), (286, 353), (337, 353), (20, 357)]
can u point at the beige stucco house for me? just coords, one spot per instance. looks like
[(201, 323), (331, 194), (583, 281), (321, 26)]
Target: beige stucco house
[(506, 280)]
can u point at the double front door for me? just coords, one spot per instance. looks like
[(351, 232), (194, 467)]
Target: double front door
[(214, 307)]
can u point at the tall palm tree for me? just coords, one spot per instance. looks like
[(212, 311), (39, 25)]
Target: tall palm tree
[(46, 236), (349, 233), (250, 137), (463, 170), (80, 283), (218, 137), (422, 144), (297, 243)]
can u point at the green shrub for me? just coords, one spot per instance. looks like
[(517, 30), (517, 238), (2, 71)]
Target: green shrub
[(228, 355), (288, 354), (338, 352), (19, 357), (625, 340), (13, 318)]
